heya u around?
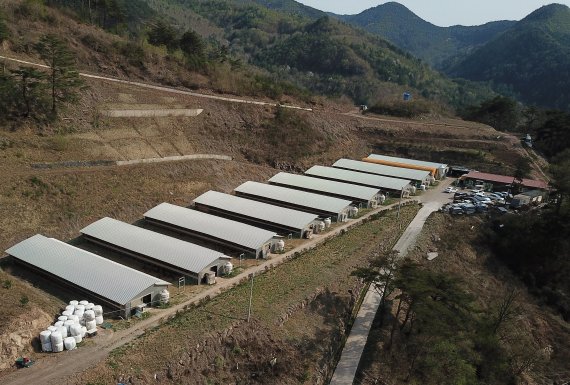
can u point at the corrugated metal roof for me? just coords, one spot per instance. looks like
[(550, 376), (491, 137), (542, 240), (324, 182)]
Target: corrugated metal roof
[(280, 215), (381, 182), (380, 169), (106, 278), (326, 186), (505, 179), (218, 227), (185, 255), (408, 161), (296, 197)]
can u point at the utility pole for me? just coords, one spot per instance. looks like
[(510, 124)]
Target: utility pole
[(250, 298), (400, 205)]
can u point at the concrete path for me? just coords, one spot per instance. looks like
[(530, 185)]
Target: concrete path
[(347, 367)]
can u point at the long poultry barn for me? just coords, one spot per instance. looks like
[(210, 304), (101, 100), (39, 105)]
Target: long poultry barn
[(224, 232), (322, 205), (383, 183), (117, 286), (282, 220), (437, 170), (418, 177), (358, 195), (193, 262)]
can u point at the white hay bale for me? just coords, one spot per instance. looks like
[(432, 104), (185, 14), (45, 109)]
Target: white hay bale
[(83, 331), (52, 328), (74, 303), (91, 325), (56, 338), (69, 343), (67, 325), (75, 330), (45, 337), (63, 331), (57, 348), (98, 309), (58, 324), (68, 313), (70, 308), (78, 338), (89, 315), (84, 302), (99, 320), (79, 313), (89, 306), (62, 318), (74, 318), (47, 347)]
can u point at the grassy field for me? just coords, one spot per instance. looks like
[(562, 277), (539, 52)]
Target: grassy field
[(304, 304)]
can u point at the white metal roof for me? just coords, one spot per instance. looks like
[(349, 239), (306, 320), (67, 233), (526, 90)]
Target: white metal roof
[(184, 255), (326, 186), (266, 212), (296, 197), (381, 169), (381, 182), (408, 161), (106, 278), (218, 227)]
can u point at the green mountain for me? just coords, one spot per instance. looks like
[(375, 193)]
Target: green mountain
[(532, 60), (323, 55), (438, 46)]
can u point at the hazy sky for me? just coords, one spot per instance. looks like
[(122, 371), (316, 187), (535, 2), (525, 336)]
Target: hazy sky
[(444, 12)]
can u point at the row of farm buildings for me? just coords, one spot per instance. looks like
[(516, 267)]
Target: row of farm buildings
[(197, 244)]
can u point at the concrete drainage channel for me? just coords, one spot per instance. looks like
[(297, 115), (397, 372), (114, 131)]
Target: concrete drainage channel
[(106, 163)]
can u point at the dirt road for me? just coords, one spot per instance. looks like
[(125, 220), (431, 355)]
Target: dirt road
[(57, 367)]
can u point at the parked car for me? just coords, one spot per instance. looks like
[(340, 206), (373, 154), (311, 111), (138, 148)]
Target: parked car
[(450, 190)]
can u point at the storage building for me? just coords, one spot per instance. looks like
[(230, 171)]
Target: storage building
[(193, 262), (279, 219), (438, 170), (227, 233), (418, 177), (322, 205), (383, 183), (110, 283), (358, 195), (500, 182)]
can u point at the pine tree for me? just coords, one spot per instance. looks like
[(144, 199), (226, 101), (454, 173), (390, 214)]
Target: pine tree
[(64, 78), (31, 89), (4, 33)]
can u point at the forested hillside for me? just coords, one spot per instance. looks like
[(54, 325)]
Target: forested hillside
[(438, 46), (531, 61)]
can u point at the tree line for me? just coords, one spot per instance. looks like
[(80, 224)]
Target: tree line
[(550, 128), (30, 93)]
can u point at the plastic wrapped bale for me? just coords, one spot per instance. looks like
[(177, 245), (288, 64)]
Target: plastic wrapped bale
[(67, 325), (91, 325), (58, 324), (99, 320), (55, 339), (67, 313), (89, 306), (69, 343), (45, 337), (62, 318), (83, 331), (57, 348), (52, 328), (47, 347), (80, 307), (79, 313), (63, 331), (82, 322), (78, 338), (74, 318), (165, 294), (70, 308), (84, 302), (89, 315), (98, 309), (74, 303), (75, 330)]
